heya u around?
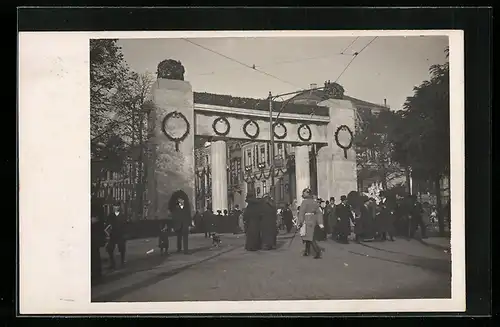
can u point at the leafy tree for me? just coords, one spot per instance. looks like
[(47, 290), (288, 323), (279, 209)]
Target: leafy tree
[(373, 146), (171, 69), (422, 133), (108, 72)]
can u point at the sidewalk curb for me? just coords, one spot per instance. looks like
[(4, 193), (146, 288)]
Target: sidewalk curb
[(435, 246)]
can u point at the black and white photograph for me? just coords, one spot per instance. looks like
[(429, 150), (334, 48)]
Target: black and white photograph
[(270, 167)]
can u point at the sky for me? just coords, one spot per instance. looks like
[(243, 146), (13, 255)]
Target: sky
[(387, 68)]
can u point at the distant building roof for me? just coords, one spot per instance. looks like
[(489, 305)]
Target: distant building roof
[(316, 96), (303, 103)]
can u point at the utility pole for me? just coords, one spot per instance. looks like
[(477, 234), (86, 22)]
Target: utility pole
[(271, 147)]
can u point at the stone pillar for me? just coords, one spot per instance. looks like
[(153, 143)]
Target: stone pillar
[(219, 175), (170, 170), (343, 175), (324, 172), (302, 172)]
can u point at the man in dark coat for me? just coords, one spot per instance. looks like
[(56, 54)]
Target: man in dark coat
[(181, 219), (253, 217), (97, 237), (287, 217), (116, 225), (386, 218), (269, 229), (206, 221), (416, 212), (330, 212), (344, 218)]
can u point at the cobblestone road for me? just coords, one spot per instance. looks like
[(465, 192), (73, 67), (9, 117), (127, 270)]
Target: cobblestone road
[(377, 270)]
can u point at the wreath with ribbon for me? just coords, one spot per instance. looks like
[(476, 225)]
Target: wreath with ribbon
[(276, 135), (342, 146), (177, 140), (224, 120), (248, 122), (310, 133)]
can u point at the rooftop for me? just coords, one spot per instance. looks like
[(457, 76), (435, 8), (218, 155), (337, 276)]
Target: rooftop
[(303, 103)]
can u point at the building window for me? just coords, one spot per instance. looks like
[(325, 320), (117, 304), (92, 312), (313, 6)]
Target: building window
[(255, 156), (249, 158), (264, 187), (268, 153), (280, 151), (262, 154), (238, 170), (282, 189)]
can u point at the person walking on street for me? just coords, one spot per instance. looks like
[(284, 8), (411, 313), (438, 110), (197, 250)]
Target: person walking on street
[(181, 219), (310, 216), (287, 217), (253, 217), (416, 213), (269, 229), (116, 229)]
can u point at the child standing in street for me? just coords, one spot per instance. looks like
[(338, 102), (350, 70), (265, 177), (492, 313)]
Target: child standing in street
[(163, 242)]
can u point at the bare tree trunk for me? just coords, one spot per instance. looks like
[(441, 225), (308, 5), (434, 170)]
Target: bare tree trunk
[(384, 177), (140, 182), (408, 181), (437, 183)]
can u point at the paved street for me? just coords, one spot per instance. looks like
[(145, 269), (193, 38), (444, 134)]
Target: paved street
[(375, 270)]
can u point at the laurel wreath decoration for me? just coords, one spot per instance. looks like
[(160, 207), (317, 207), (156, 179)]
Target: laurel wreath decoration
[(279, 137), (225, 121), (345, 147), (248, 122), (177, 140), (305, 139)]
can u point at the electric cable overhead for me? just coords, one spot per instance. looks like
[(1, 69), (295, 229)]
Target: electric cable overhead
[(252, 67), (354, 56), (343, 51), (279, 63)]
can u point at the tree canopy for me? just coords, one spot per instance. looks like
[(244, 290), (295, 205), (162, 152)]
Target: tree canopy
[(421, 136)]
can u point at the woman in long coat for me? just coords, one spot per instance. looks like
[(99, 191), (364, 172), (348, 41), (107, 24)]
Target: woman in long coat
[(253, 217), (310, 216), (268, 226)]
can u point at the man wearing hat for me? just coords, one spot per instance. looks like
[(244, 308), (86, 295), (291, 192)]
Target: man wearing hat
[(310, 216), (344, 218), (269, 232), (116, 228), (253, 217)]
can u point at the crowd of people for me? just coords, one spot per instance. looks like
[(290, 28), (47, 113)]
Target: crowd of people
[(355, 218)]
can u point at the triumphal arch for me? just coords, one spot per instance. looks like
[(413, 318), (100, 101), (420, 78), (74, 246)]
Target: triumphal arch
[(177, 118)]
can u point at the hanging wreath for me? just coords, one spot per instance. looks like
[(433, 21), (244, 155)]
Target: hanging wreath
[(305, 133), (172, 137), (345, 147), (224, 121), (279, 135), (257, 129)]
